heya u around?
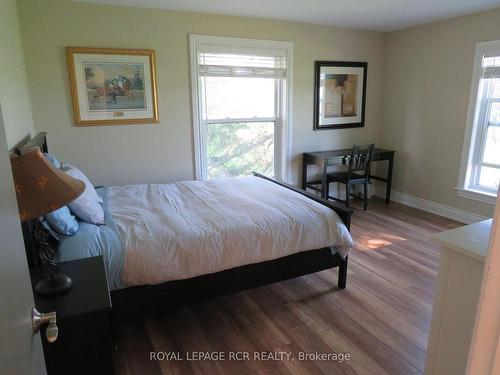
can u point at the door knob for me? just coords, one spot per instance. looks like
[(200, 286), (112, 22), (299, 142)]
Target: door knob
[(39, 319)]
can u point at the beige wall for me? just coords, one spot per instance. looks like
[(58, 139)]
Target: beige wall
[(418, 90), (14, 96), (427, 85), (141, 154)]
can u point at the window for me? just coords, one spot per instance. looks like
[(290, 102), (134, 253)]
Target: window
[(480, 170), (241, 91)]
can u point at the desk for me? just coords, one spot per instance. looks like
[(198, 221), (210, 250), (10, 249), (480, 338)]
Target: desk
[(324, 159)]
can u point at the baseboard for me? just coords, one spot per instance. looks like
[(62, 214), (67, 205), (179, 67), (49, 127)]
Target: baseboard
[(449, 212)]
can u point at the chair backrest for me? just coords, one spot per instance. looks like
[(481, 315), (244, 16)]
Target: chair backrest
[(359, 160)]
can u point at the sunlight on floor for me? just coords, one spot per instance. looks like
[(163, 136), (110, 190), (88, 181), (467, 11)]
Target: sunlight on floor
[(371, 243)]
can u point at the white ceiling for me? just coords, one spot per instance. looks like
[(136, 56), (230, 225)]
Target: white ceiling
[(382, 15)]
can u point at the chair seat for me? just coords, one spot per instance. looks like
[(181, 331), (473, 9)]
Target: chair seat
[(342, 176)]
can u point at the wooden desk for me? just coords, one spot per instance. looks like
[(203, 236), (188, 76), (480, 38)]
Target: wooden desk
[(324, 159)]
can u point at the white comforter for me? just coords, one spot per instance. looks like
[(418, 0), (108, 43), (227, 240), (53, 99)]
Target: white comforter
[(186, 229)]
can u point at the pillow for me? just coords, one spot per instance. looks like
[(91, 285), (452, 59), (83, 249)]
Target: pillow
[(49, 230), (53, 160), (87, 206), (62, 221)]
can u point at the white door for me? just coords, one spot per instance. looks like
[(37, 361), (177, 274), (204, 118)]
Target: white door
[(20, 351)]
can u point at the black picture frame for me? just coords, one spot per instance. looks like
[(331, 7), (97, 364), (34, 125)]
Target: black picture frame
[(360, 121)]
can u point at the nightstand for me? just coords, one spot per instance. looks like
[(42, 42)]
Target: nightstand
[(84, 345)]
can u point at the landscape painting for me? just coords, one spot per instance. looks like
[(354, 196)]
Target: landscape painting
[(339, 97), (112, 86)]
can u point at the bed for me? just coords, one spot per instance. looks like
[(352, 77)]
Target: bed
[(172, 244)]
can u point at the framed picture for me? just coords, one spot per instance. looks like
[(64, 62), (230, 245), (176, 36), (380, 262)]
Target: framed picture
[(339, 94), (112, 86)]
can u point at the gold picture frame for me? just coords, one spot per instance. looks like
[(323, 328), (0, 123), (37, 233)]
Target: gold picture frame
[(111, 86)]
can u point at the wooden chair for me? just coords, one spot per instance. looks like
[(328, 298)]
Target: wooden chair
[(357, 173)]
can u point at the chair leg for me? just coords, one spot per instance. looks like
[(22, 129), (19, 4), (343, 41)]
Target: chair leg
[(327, 188), (365, 196), (342, 274), (347, 192)]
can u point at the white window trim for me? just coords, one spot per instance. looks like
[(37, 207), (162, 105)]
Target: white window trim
[(476, 195), (283, 146), (468, 155)]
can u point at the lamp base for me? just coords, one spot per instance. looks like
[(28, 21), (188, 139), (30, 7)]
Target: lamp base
[(54, 285)]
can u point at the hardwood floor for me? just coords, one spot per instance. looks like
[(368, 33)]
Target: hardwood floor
[(381, 319)]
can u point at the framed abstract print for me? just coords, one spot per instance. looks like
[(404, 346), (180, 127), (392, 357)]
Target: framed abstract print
[(112, 86), (339, 94)]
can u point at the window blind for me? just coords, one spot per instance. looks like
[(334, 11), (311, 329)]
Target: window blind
[(234, 65), (491, 67)]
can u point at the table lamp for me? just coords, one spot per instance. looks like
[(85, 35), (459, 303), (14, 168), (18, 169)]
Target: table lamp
[(42, 188)]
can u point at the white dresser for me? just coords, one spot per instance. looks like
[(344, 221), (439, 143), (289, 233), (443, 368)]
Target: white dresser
[(460, 274)]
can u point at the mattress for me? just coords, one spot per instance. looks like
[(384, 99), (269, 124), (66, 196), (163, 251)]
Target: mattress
[(186, 229)]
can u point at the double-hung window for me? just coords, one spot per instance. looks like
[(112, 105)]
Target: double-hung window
[(480, 170), (241, 90)]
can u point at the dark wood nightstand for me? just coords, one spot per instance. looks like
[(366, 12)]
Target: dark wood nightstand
[(84, 345)]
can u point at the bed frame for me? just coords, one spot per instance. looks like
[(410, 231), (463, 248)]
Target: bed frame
[(174, 294)]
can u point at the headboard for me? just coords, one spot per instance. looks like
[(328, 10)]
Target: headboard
[(39, 140), (31, 246)]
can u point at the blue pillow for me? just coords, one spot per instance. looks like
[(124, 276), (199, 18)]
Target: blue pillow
[(62, 221), (49, 230), (56, 163)]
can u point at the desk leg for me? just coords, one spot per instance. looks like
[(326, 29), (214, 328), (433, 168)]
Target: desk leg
[(304, 175), (324, 181), (389, 181)]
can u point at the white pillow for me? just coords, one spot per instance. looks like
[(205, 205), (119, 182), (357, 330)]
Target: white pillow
[(87, 206)]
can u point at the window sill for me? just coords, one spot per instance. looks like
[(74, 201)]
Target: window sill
[(480, 196)]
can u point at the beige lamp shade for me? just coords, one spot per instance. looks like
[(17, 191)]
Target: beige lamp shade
[(40, 187)]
